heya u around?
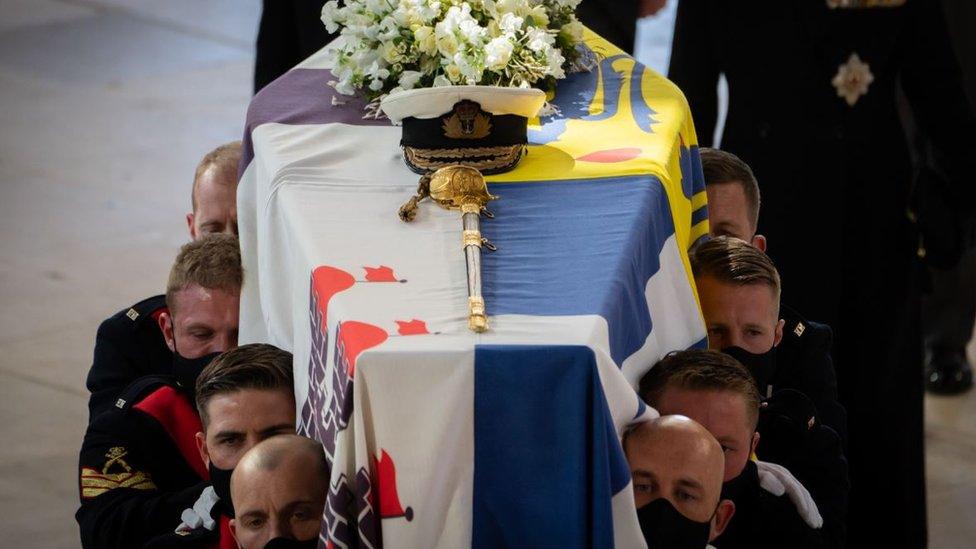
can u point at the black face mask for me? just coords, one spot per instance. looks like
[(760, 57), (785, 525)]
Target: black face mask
[(762, 367), (665, 528), (288, 543), (220, 480), (739, 488), (186, 370)]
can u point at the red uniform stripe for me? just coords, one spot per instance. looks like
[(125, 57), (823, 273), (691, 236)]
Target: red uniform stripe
[(172, 409)]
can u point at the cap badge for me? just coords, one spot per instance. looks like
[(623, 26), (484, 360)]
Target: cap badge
[(467, 121)]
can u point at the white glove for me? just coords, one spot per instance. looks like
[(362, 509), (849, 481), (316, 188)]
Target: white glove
[(777, 480), (199, 514)]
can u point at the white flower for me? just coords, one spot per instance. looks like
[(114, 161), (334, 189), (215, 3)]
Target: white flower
[(538, 16), (390, 53), (539, 39), (453, 72), (555, 60), (447, 44), (510, 23), (409, 79), (573, 30), (426, 42), (397, 44), (332, 15), (498, 52)]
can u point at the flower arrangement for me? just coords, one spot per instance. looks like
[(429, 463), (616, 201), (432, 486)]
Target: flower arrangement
[(393, 45)]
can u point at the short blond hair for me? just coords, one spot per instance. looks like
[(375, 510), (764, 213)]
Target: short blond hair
[(734, 261), (212, 262), (224, 158)]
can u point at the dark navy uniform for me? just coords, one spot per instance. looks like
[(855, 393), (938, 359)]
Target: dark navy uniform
[(812, 110), (762, 519), (804, 363), (139, 466), (791, 435), (129, 345)]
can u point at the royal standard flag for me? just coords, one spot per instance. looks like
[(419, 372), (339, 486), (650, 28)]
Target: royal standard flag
[(437, 436)]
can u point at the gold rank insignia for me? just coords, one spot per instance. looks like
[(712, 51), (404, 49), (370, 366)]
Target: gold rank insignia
[(858, 4), (852, 79), (95, 483), (800, 328), (467, 121)]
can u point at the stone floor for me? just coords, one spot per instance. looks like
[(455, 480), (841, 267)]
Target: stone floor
[(105, 108)]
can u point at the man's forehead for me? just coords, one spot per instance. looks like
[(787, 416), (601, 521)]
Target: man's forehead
[(196, 298), (709, 407), (754, 295)]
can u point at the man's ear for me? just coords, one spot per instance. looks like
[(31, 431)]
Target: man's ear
[(233, 531), (165, 321), (201, 440), (759, 241), (191, 226), (723, 514), (755, 443), (778, 332)]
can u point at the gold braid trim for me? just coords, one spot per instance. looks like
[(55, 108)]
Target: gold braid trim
[(432, 159)]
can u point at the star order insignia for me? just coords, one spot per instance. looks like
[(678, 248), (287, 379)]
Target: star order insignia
[(852, 79)]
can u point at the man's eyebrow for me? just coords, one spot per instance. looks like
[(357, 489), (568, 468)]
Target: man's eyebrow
[(728, 226), (251, 514), (690, 483), (755, 326), (643, 474), (228, 433), (275, 428)]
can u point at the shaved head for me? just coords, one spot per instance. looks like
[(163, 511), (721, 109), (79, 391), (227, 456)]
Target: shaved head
[(279, 490), (275, 452), (678, 459)]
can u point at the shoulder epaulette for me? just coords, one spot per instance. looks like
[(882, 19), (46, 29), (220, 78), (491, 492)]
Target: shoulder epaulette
[(140, 388), (147, 308)]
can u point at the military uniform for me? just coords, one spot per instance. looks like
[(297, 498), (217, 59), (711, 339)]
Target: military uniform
[(762, 519), (791, 435), (139, 466), (812, 110), (804, 363), (615, 21), (129, 345)]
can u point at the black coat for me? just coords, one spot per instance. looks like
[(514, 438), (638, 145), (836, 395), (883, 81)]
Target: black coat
[(804, 363), (792, 435), (129, 345), (835, 182), (763, 520), (137, 473), (614, 20)]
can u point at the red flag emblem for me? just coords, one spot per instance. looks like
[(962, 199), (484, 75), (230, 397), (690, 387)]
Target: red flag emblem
[(386, 489), (380, 274), (411, 327), (327, 282)]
